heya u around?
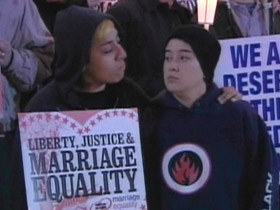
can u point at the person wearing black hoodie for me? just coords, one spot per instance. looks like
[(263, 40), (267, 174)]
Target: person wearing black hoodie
[(212, 156), (88, 74)]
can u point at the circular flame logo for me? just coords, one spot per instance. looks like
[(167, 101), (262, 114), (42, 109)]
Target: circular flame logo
[(186, 168)]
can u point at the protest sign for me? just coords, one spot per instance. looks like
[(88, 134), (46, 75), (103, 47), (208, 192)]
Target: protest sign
[(82, 160), (101, 5), (252, 66)]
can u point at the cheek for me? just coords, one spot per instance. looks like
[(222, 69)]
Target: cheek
[(110, 73), (194, 70), (107, 63), (164, 69), (104, 68), (199, 74), (98, 68), (100, 63)]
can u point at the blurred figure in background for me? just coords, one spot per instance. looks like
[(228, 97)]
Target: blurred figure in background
[(48, 10), (26, 51), (246, 18), (146, 25), (190, 4)]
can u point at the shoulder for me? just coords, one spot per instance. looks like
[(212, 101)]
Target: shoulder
[(132, 93), (238, 106), (222, 11), (130, 86), (241, 105), (45, 99), (126, 83), (125, 7), (241, 109), (30, 7), (222, 5)]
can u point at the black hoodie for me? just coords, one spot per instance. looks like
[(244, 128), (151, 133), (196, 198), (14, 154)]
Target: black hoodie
[(213, 156)]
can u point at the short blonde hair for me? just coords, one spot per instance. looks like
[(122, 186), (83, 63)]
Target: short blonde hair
[(102, 30)]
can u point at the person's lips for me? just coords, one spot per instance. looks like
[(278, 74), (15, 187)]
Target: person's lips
[(122, 66), (171, 79)]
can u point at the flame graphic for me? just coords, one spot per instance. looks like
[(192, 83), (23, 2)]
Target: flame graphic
[(185, 172)]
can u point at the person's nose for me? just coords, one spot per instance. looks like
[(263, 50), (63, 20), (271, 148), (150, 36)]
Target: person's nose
[(174, 66), (121, 53)]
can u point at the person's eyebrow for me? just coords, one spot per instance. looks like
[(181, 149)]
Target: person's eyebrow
[(106, 43), (181, 50)]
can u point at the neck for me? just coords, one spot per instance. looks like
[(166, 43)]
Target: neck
[(90, 85), (94, 88), (90, 88), (188, 98)]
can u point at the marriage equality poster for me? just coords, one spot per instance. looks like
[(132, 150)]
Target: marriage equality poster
[(82, 160)]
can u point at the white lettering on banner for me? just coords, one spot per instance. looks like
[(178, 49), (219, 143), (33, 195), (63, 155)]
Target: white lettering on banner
[(268, 192)]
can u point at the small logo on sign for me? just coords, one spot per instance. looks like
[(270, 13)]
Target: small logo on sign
[(103, 204)]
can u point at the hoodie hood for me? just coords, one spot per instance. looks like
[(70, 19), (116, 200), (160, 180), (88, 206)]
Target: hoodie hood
[(73, 32)]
